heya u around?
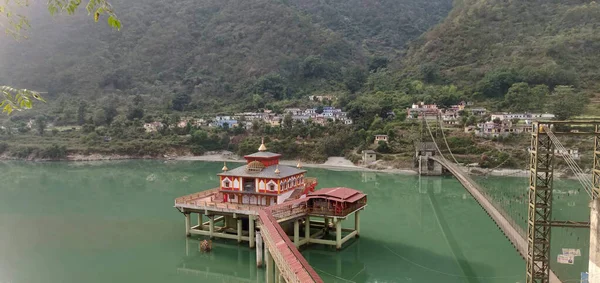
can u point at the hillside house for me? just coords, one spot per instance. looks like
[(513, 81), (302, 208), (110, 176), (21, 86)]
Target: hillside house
[(379, 138), (368, 156), (153, 126)]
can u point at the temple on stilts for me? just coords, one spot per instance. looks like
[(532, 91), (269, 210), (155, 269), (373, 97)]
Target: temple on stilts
[(276, 208)]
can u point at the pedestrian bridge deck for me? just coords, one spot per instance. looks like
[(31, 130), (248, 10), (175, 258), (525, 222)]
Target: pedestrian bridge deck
[(514, 233)]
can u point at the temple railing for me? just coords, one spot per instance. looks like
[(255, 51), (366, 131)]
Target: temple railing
[(195, 196)]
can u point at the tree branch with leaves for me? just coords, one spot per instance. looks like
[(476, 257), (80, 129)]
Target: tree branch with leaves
[(14, 22), (17, 99)]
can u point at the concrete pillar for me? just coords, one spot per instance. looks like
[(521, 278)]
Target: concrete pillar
[(211, 225), (200, 222), (280, 278), (239, 230), (594, 264), (269, 262), (357, 223), (277, 273), (338, 234), (297, 232), (259, 249), (251, 230), (307, 228), (187, 224)]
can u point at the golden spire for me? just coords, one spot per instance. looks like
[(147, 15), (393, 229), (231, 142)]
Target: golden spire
[(262, 145), (298, 165), (225, 167), (277, 170)]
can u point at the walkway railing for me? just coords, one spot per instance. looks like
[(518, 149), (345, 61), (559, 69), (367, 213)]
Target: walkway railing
[(293, 266)]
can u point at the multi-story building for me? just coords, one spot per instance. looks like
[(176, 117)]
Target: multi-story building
[(263, 181)]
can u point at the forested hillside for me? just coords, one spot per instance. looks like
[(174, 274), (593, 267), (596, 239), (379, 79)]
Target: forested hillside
[(485, 46), (255, 51)]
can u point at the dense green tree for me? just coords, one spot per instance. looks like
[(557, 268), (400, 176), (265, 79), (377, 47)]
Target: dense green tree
[(81, 110), (566, 102), (287, 122), (383, 147), (429, 72), (110, 112), (181, 101), (378, 62), (40, 124), (521, 97), (354, 79), (100, 117)]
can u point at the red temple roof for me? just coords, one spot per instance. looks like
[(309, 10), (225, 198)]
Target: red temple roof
[(338, 194)]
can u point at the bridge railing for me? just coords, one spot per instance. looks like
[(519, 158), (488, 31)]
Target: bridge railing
[(490, 198), (288, 259)]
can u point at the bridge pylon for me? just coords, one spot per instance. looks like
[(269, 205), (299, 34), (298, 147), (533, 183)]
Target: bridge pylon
[(539, 216)]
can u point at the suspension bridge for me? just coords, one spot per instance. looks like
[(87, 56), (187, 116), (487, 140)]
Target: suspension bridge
[(534, 243)]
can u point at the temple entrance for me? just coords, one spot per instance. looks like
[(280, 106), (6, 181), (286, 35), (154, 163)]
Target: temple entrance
[(249, 185)]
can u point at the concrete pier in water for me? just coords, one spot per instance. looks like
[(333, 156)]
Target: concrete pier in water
[(320, 213)]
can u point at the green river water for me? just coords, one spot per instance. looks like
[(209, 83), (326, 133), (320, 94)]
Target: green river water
[(115, 222)]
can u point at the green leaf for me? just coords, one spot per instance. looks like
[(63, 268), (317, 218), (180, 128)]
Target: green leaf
[(114, 22), (8, 109)]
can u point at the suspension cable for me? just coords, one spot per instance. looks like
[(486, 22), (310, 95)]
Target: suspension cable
[(579, 174), (446, 141), (570, 161), (433, 139)]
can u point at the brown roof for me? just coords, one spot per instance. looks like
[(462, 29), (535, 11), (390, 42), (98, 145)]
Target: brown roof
[(338, 194)]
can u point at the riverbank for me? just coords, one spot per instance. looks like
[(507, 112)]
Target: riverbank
[(332, 163)]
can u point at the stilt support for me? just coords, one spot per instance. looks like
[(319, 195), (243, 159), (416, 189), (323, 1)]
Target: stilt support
[(307, 229), (187, 224), (269, 263), (357, 223), (200, 222), (211, 225), (297, 232), (251, 230), (239, 230), (338, 233), (259, 249)]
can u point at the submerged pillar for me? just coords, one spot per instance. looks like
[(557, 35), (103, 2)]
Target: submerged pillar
[(239, 230), (297, 232), (338, 234), (259, 250), (187, 224), (594, 264), (251, 230), (211, 225), (357, 223), (269, 263)]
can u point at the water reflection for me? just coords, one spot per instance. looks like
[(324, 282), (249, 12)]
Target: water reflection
[(227, 262)]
